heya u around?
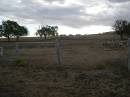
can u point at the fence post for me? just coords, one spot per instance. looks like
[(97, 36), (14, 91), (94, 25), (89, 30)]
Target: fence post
[(129, 54), (17, 49), (1, 51), (58, 51)]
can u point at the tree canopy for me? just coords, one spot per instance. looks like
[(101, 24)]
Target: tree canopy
[(10, 29), (122, 27), (47, 31)]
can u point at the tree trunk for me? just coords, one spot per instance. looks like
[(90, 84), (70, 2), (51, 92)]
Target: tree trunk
[(121, 36), (40, 36), (17, 38), (45, 37), (8, 38)]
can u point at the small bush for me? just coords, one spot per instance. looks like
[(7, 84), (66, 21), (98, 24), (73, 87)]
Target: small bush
[(20, 63), (115, 64), (101, 66)]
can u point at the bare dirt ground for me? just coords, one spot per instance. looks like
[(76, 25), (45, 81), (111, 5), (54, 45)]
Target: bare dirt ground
[(89, 69)]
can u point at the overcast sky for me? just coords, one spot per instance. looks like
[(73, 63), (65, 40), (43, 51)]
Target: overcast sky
[(72, 16)]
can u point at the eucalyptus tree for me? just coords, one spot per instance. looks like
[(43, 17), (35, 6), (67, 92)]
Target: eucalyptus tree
[(122, 28), (47, 31), (11, 29)]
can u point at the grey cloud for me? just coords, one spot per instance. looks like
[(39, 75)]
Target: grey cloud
[(48, 14), (119, 1), (29, 11), (50, 1)]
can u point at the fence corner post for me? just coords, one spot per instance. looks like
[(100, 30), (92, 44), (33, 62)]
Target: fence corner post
[(1, 51), (58, 51), (17, 49), (129, 54)]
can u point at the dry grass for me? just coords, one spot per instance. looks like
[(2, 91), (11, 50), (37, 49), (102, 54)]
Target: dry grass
[(88, 69)]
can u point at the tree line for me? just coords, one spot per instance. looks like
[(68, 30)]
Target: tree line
[(11, 29)]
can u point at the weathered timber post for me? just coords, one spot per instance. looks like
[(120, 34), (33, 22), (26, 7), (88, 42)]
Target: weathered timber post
[(58, 51), (1, 51), (129, 54), (17, 49)]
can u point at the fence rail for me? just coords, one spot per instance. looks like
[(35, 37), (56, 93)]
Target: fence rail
[(17, 46)]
